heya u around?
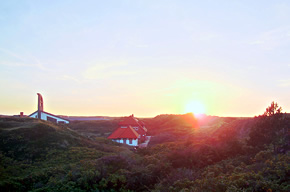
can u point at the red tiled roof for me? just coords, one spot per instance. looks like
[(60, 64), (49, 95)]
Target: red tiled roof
[(126, 133), (142, 123), (129, 121), (134, 122)]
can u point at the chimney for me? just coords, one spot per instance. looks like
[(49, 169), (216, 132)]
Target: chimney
[(21, 114)]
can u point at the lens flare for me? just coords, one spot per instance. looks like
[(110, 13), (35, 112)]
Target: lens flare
[(195, 107)]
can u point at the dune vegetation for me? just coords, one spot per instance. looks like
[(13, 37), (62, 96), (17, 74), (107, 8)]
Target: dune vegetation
[(185, 154)]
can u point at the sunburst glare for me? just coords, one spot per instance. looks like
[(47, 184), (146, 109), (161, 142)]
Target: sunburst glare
[(195, 107)]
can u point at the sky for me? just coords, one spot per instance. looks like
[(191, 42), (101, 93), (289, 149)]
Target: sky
[(144, 57)]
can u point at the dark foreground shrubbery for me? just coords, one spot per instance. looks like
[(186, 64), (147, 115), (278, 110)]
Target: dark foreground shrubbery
[(239, 155)]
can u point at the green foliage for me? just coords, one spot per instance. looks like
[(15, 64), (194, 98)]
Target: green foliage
[(100, 128), (217, 154), (271, 131), (273, 109), (178, 125)]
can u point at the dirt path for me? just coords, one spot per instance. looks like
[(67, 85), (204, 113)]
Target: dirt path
[(145, 144), (14, 128)]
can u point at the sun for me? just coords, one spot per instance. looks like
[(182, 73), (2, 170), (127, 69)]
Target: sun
[(195, 107)]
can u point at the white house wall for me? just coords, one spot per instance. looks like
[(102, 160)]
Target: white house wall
[(45, 115), (134, 141), (33, 115)]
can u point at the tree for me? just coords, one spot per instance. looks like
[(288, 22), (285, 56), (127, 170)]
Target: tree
[(271, 129), (273, 109)]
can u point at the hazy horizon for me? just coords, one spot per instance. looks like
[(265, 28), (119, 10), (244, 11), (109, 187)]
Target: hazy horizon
[(117, 58)]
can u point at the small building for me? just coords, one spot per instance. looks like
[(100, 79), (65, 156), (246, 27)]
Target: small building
[(125, 135), (20, 115), (41, 114), (137, 125), (131, 131)]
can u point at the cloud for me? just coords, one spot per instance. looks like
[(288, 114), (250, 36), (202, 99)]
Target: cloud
[(258, 42), (103, 70), (23, 61), (23, 64), (273, 39), (69, 78), (204, 37), (11, 53), (141, 45), (284, 83)]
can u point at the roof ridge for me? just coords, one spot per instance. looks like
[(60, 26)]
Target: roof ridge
[(50, 114), (126, 133)]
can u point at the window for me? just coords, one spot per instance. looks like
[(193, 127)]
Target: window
[(51, 119), (130, 141)]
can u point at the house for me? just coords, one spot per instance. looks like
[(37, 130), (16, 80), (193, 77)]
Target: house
[(137, 125), (41, 114), (131, 131), (125, 135)]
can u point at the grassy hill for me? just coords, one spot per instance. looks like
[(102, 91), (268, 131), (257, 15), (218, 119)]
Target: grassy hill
[(171, 128), (225, 154), (92, 129), (32, 136), (31, 148), (186, 154)]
